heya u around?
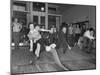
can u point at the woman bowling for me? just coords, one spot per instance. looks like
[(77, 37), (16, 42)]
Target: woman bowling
[(35, 37), (49, 47)]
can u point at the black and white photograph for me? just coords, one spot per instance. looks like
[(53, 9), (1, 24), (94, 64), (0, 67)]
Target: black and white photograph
[(51, 37)]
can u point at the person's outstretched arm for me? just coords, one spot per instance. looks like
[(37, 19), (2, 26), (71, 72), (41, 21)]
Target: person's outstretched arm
[(46, 30)]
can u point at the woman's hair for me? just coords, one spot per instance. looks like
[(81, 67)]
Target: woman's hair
[(63, 25), (36, 25), (29, 24), (91, 29)]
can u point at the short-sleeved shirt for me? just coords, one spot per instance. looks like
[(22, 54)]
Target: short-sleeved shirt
[(33, 34), (70, 30), (77, 31), (87, 34), (16, 27)]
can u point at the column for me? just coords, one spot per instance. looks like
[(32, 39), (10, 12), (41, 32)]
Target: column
[(31, 10), (46, 19), (28, 12)]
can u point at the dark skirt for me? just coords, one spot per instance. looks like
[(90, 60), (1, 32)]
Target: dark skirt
[(41, 42)]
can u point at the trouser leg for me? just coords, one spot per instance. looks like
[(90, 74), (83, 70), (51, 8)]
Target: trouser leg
[(16, 39), (56, 58), (89, 45), (65, 46)]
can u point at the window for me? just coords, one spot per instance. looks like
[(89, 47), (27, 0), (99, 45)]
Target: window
[(35, 19), (51, 21), (19, 6), (38, 6), (21, 16), (51, 10), (42, 20)]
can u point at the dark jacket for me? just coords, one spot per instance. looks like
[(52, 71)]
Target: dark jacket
[(52, 38), (62, 42)]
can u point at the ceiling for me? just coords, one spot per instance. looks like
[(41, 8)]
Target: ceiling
[(63, 7)]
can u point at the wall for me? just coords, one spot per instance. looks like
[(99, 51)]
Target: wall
[(78, 12)]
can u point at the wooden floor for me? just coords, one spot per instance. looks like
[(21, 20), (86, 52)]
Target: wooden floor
[(74, 59)]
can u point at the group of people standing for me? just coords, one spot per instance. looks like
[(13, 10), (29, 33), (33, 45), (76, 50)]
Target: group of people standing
[(74, 32), (81, 36)]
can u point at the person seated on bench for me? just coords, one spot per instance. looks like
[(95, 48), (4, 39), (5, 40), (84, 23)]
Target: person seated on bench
[(88, 37), (86, 40)]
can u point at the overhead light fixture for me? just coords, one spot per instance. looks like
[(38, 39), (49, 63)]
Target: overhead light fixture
[(42, 8)]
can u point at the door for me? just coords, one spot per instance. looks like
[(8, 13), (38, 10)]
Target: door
[(39, 20), (54, 20)]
